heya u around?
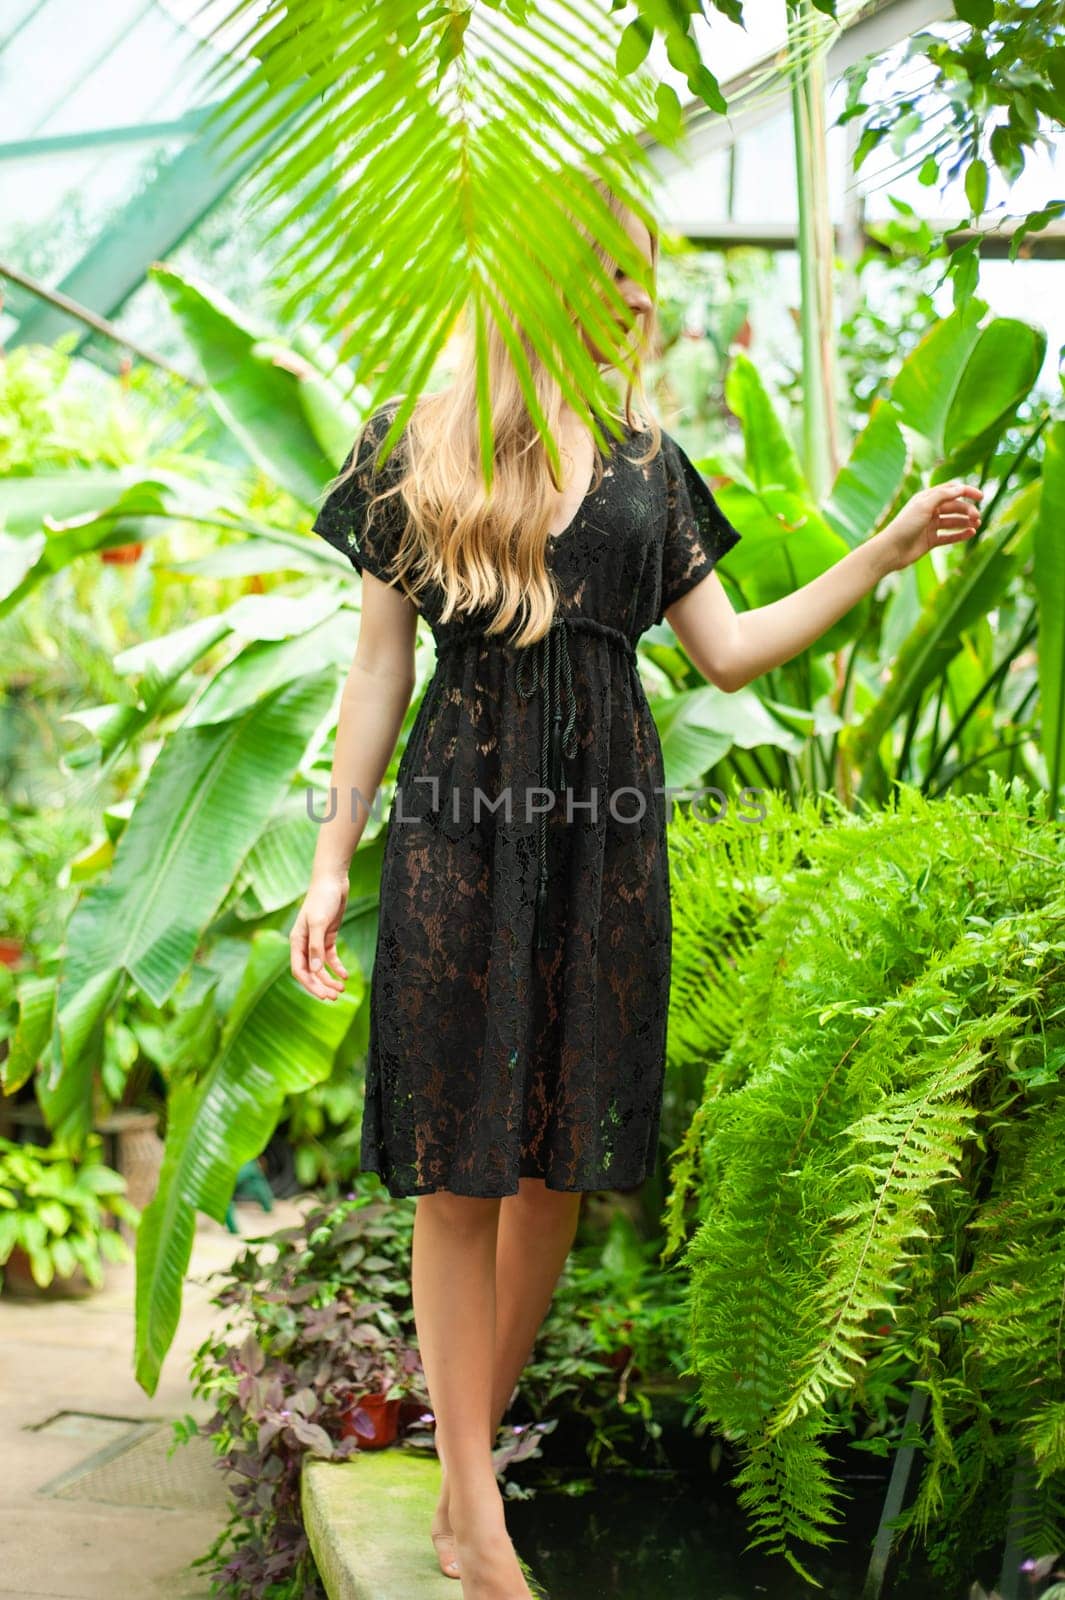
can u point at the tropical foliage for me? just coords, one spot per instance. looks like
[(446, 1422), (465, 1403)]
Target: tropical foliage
[(437, 92), (935, 681), (994, 94), (865, 1044), (310, 1327), (187, 889), (59, 1208), (868, 1195)]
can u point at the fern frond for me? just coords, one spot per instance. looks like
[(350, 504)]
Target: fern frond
[(785, 1487), (1044, 1437), (870, 1189)]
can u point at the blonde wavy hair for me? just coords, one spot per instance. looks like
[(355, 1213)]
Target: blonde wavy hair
[(488, 550)]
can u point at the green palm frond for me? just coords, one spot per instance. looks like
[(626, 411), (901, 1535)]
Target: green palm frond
[(441, 159), (434, 154), (205, 802)]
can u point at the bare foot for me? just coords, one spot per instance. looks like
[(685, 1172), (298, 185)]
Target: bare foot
[(489, 1562), (442, 1533)]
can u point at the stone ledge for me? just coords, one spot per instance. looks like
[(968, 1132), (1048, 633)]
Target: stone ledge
[(368, 1525), (367, 1521)]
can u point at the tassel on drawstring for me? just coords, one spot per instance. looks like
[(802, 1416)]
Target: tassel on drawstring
[(551, 671), (540, 918), (554, 782)]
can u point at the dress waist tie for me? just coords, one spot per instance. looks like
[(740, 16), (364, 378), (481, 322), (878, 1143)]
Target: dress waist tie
[(546, 664)]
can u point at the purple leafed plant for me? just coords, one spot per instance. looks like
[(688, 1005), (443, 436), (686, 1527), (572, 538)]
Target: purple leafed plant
[(314, 1323)]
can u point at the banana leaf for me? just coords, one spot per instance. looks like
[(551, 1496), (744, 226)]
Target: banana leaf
[(278, 1040), (869, 481), (207, 797), (1049, 563), (254, 384), (698, 728), (771, 458), (925, 385), (976, 583), (36, 1010)]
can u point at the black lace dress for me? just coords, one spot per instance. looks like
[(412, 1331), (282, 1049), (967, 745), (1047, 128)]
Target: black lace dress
[(520, 986)]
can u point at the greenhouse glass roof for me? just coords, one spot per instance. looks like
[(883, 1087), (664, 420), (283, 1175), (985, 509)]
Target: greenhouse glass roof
[(101, 167), (104, 166)]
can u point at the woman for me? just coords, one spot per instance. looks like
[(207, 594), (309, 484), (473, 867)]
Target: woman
[(520, 984)]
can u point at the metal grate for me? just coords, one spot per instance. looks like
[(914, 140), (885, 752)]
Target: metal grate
[(133, 1468)]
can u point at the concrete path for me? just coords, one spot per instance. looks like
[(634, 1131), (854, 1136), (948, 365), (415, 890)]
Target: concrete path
[(130, 1525)]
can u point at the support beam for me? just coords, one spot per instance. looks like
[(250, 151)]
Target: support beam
[(1047, 245), (706, 131), (149, 133), (150, 227), (97, 324)]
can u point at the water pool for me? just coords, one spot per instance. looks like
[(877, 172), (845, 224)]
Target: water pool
[(669, 1536)]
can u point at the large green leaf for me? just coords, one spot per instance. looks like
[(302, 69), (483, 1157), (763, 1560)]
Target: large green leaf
[(1000, 373), (1049, 557), (165, 681), (786, 543), (254, 385), (26, 501), (868, 482), (278, 1040), (322, 643), (962, 385), (325, 393), (205, 802), (771, 458), (18, 558), (927, 381), (698, 728), (976, 583), (277, 868), (36, 1013), (86, 512)]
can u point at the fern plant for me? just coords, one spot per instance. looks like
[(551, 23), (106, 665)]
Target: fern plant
[(870, 1196)]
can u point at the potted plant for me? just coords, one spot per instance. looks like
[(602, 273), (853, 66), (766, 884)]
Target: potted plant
[(373, 1418), (137, 1047), (316, 1358), (54, 1217)]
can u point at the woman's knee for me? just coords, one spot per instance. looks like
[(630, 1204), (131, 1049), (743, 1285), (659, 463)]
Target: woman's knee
[(468, 1214), (534, 1194)]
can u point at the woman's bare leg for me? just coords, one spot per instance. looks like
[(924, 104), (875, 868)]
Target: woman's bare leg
[(536, 1230), (453, 1284)]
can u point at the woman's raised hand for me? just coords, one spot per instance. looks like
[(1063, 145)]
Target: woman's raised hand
[(313, 939), (945, 513)]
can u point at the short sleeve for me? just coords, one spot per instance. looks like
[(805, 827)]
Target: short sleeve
[(367, 535), (697, 532)]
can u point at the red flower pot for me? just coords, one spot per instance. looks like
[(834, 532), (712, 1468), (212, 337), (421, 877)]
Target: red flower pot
[(373, 1420), (122, 555), (19, 1280)]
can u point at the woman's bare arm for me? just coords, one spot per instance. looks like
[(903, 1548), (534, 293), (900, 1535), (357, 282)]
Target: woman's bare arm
[(373, 704), (731, 648)]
